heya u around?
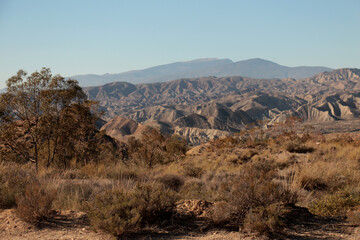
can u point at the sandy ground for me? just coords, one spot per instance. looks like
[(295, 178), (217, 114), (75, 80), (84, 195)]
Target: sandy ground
[(74, 226)]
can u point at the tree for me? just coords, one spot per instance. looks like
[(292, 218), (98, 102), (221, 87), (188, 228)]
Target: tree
[(45, 116)]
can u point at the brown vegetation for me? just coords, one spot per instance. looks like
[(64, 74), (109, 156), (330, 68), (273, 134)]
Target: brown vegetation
[(251, 181)]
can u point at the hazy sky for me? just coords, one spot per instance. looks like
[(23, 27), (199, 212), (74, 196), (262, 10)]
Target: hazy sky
[(78, 37)]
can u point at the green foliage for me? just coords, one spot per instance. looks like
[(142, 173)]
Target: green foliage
[(35, 205), (335, 204), (35, 113)]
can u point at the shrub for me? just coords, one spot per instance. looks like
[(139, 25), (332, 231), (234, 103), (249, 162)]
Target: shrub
[(222, 213), (35, 206), (116, 212), (194, 189), (297, 147), (252, 194), (246, 155), (123, 211), (157, 202), (13, 181), (171, 181), (72, 195), (335, 204), (192, 171), (264, 220)]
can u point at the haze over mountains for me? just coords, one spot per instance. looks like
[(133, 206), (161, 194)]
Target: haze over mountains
[(202, 108), (253, 68)]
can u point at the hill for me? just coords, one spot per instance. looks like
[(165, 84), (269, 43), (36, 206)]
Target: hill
[(198, 106)]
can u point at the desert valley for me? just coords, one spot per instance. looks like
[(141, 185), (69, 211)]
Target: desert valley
[(179, 120)]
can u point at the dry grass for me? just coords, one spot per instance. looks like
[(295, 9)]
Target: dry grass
[(247, 182)]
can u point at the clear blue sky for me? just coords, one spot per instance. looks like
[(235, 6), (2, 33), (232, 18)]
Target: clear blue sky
[(78, 37)]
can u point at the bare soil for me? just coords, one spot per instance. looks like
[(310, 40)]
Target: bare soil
[(73, 225)]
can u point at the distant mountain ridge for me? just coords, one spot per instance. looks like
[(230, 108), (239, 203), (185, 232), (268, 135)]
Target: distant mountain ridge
[(252, 68)]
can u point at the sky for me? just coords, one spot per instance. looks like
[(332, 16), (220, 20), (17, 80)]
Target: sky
[(74, 37)]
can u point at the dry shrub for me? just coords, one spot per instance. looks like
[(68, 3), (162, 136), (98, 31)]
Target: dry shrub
[(251, 190), (172, 181), (327, 174), (264, 220), (116, 212), (110, 171), (194, 189), (192, 171), (222, 212), (72, 195), (157, 202), (297, 147), (246, 155), (311, 183), (335, 204), (123, 211), (35, 206), (13, 180)]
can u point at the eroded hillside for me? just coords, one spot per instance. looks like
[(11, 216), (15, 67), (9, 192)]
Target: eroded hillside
[(214, 106)]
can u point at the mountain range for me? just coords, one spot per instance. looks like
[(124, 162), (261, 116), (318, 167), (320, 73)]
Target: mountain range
[(253, 68), (203, 108)]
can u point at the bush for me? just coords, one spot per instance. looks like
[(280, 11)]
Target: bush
[(191, 171), (251, 195), (311, 183), (222, 213), (171, 181), (123, 211), (335, 204), (157, 202), (13, 181), (297, 147), (35, 206), (194, 189), (264, 220), (72, 195), (116, 212)]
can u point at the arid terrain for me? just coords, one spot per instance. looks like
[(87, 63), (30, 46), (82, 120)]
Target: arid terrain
[(207, 158), (179, 120), (205, 108)]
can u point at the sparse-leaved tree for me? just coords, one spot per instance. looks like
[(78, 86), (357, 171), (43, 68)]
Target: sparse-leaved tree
[(44, 117)]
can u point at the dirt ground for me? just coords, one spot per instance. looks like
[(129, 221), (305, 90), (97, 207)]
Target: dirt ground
[(74, 226)]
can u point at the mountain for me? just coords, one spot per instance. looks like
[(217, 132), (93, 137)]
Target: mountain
[(252, 68), (204, 108)]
